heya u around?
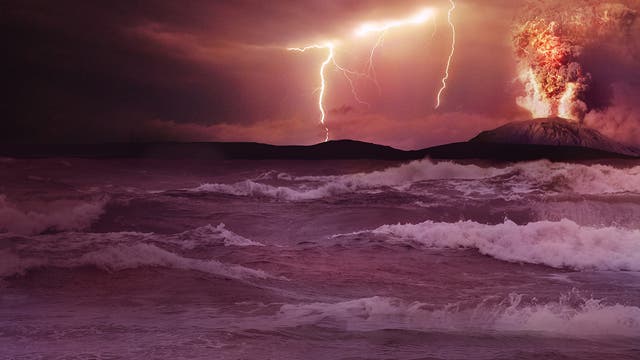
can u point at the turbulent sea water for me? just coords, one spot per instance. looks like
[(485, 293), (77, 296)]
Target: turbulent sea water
[(129, 259)]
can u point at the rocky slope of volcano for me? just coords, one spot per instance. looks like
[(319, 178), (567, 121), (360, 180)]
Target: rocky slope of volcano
[(553, 131)]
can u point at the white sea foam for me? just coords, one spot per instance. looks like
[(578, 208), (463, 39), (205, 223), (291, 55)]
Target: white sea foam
[(61, 215), (412, 172), (558, 244), (201, 237), (123, 250), (582, 179), (121, 257), (209, 235), (115, 258), (566, 317), (521, 178), (252, 188), (400, 177)]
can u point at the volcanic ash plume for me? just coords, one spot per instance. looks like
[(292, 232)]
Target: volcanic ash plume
[(549, 42)]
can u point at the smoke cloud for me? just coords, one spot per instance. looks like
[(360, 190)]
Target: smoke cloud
[(549, 41)]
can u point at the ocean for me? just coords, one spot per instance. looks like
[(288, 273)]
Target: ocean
[(352, 259)]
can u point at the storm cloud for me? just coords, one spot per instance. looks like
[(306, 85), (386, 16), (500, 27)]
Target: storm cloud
[(90, 71)]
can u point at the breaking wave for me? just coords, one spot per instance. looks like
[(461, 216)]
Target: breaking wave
[(582, 179), (123, 250), (515, 179), (557, 244), (397, 177), (570, 316), (122, 257), (60, 215), (209, 235)]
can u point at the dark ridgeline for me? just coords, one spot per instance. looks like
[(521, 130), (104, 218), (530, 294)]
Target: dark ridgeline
[(344, 149), (553, 139), (333, 150)]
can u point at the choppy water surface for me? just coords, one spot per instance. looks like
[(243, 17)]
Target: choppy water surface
[(318, 260)]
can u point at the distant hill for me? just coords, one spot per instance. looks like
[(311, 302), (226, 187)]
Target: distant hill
[(552, 139)]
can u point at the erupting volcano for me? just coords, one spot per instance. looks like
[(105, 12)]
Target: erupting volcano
[(549, 43)]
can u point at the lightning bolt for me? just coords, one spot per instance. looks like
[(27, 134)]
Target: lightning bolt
[(323, 81), (453, 50), (348, 75), (371, 69), (420, 18), (365, 29), (382, 28)]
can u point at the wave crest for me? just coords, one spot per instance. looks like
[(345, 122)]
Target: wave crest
[(121, 257), (61, 215), (209, 235), (123, 250), (557, 244), (568, 316), (521, 178)]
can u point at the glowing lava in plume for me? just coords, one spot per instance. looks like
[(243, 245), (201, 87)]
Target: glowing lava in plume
[(549, 44), (550, 66), (380, 28)]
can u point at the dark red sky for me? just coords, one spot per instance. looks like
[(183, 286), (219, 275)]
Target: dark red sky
[(93, 71)]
